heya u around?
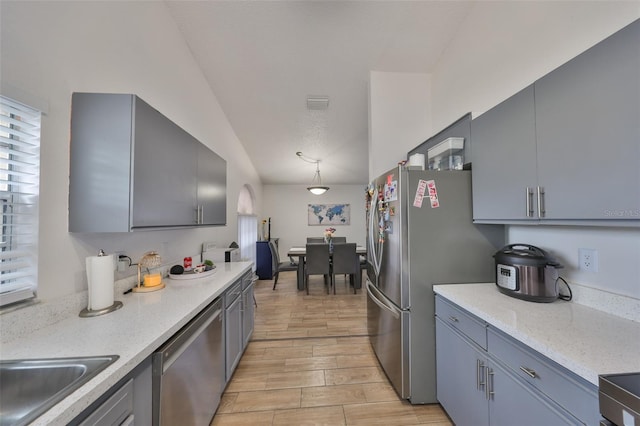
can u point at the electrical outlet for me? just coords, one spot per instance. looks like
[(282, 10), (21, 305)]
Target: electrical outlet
[(588, 260)]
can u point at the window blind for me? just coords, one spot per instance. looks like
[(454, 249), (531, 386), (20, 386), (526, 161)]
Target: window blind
[(19, 190), (247, 236)]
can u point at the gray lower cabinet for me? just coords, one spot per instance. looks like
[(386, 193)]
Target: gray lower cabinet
[(505, 384), (127, 403), (248, 307), (564, 150), (132, 168), (233, 327)]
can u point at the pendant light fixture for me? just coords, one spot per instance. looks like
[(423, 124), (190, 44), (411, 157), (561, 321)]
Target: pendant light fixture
[(316, 187)]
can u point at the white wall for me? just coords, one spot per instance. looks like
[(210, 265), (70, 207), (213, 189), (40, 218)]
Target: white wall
[(51, 49), (502, 48), (287, 207), (399, 117)]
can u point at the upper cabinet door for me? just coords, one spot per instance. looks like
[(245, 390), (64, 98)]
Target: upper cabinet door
[(212, 187), (588, 132), (504, 160), (164, 176)]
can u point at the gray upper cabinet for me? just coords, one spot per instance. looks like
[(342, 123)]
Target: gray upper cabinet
[(164, 171), (565, 150), (212, 187), (588, 132), (504, 160), (132, 168)]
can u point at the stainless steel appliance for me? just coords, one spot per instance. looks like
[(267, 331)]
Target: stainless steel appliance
[(189, 373), (619, 399), (527, 272), (420, 233)]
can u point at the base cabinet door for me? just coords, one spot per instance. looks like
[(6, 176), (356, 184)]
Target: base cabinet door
[(460, 378), (233, 328), (512, 402), (247, 310)]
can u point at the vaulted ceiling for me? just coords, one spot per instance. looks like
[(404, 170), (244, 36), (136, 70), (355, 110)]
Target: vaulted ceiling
[(264, 58)]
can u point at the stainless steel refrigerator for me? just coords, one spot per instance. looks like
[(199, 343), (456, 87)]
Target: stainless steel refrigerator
[(419, 233)]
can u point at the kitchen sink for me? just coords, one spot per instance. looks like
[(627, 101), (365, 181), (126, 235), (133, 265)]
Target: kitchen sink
[(29, 387)]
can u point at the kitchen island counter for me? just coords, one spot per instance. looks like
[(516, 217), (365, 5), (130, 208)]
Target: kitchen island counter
[(584, 340), (133, 332)]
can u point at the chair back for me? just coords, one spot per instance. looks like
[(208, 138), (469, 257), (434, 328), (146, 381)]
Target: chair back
[(317, 260), (315, 240), (275, 256), (339, 240), (345, 259)]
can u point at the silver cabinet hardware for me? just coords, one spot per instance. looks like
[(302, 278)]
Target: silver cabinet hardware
[(479, 374), (541, 207), (453, 319), (529, 202), (529, 372), (487, 383)]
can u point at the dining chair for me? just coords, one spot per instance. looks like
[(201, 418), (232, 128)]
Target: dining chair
[(339, 240), (276, 265), (345, 261), (317, 262), (315, 240)]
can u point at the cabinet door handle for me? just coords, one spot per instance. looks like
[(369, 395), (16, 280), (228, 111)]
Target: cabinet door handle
[(529, 371), (487, 383), (479, 374), (529, 202), (453, 319), (541, 207), (202, 214)]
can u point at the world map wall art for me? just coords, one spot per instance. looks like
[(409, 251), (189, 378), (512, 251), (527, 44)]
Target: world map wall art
[(329, 214)]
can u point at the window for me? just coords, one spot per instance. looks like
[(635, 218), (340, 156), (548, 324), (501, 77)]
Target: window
[(19, 189), (247, 236)]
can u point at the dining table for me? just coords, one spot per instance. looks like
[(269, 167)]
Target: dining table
[(301, 251)]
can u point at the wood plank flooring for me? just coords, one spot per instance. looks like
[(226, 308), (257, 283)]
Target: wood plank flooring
[(310, 363)]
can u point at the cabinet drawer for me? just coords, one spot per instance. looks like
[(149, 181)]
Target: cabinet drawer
[(233, 293), (573, 393), (472, 327), (116, 410)]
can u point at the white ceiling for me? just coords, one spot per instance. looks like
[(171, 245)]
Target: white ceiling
[(263, 58)]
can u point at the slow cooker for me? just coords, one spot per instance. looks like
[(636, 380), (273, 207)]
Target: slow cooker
[(527, 272)]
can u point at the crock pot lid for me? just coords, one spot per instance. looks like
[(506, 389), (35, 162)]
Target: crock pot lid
[(525, 254)]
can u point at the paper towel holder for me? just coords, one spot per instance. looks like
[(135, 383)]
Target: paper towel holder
[(87, 313)]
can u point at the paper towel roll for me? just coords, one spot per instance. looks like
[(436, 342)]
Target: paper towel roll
[(101, 281), (417, 160)]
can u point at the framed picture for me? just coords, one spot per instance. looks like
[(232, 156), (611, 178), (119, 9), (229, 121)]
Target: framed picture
[(329, 214)]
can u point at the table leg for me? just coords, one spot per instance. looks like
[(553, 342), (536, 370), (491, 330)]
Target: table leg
[(300, 273)]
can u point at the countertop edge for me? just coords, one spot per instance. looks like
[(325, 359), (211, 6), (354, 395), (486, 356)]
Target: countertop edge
[(69, 408), (551, 347)]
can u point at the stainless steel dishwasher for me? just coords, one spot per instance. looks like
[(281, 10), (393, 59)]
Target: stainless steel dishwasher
[(189, 371)]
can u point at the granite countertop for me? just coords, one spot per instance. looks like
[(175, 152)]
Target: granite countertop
[(584, 340), (133, 332)]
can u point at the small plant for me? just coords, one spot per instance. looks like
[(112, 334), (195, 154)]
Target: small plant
[(208, 263)]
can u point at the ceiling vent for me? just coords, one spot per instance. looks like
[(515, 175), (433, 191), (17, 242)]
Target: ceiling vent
[(317, 102)]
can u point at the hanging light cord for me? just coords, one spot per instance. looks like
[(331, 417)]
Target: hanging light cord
[(307, 159)]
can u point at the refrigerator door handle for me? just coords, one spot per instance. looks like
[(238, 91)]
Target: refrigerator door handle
[(374, 238), (379, 300)]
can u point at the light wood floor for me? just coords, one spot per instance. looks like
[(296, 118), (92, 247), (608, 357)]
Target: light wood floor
[(310, 363)]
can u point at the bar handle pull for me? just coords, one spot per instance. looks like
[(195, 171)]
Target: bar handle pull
[(453, 319), (529, 202), (479, 374), (487, 380), (529, 371), (541, 207)]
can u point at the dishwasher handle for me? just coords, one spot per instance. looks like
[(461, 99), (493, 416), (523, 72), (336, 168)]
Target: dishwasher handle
[(168, 353)]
